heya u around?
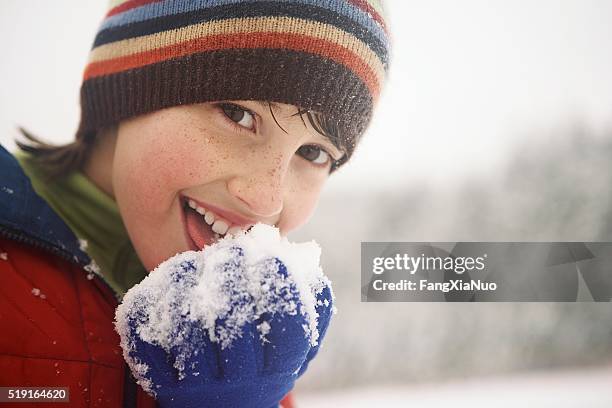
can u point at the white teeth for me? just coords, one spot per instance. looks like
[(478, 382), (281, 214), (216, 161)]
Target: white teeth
[(234, 230), (220, 227), (209, 217)]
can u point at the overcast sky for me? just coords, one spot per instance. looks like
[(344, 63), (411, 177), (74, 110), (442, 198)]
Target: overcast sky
[(468, 80)]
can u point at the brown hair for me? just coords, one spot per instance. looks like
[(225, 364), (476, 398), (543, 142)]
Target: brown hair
[(57, 160)]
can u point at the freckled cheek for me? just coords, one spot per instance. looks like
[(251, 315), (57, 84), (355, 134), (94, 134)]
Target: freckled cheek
[(152, 179), (298, 208), (196, 161)]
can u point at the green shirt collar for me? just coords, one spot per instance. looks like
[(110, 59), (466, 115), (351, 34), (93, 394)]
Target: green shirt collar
[(94, 217)]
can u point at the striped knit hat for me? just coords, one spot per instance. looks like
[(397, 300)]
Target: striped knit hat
[(328, 56)]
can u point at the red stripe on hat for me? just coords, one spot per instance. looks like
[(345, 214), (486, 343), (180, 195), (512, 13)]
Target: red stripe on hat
[(365, 6), (294, 42), (128, 5)]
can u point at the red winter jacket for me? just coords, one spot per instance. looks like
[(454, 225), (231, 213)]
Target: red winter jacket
[(56, 319), (58, 330)]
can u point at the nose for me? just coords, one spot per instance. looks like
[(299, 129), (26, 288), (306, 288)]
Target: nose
[(261, 187)]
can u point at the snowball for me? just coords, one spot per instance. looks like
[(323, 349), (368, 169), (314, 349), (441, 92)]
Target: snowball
[(236, 280)]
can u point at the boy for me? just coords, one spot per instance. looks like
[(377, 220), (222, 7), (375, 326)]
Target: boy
[(199, 118)]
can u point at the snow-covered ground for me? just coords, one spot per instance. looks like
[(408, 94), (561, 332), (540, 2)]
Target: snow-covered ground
[(569, 389)]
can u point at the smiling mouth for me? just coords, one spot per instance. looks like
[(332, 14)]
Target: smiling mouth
[(204, 227), (197, 232)]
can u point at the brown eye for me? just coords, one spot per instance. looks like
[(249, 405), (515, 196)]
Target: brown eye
[(239, 115), (314, 154)]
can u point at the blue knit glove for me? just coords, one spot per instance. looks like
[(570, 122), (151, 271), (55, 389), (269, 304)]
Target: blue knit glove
[(255, 370)]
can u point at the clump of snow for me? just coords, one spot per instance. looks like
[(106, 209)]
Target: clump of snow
[(7, 190), (83, 244), (140, 370), (92, 268), (37, 292), (216, 291), (263, 328)]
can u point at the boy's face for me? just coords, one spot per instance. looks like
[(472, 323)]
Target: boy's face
[(231, 158)]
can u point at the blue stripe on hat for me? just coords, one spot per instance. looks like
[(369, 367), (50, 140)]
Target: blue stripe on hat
[(170, 7)]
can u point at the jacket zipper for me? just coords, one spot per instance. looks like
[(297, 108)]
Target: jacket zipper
[(54, 250)]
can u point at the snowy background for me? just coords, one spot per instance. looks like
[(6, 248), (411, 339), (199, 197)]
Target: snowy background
[(496, 124)]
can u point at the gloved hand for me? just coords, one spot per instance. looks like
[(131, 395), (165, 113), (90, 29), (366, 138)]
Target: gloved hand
[(200, 367)]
